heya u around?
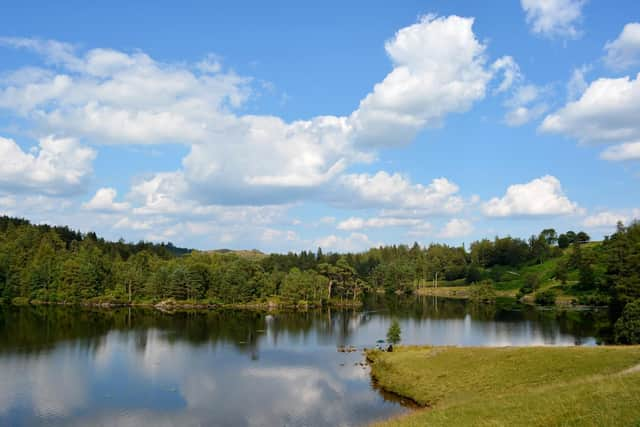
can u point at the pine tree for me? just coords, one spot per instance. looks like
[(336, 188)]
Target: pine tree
[(394, 332)]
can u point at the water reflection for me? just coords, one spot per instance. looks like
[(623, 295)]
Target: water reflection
[(61, 366)]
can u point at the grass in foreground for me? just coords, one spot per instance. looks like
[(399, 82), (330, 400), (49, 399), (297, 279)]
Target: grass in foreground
[(514, 386)]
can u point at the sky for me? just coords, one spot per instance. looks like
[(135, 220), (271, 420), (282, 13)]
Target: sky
[(283, 126)]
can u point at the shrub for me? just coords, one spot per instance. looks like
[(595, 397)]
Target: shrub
[(482, 292), (562, 271), (531, 283), (20, 301), (473, 274), (594, 299), (547, 297), (627, 328)]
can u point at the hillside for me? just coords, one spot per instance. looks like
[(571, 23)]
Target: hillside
[(559, 275), (252, 254)]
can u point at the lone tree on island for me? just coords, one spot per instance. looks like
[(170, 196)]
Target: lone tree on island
[(393, 334)]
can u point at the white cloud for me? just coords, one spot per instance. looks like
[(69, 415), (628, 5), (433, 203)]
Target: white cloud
[(456, 228), (271, 234), (167, 194), (104, 201), (109, 96), (112, 97), (554, 18), (55, 52), (607, 111), (242, 172), (525, 105), (577, 83), (327, 220), (609, 219), (58, 166), (522, 115), (7, 202), (511, 70), (541, 196), (627, 151), (265, 160), (421, 230), (137, 225), (355, 242), (624, 52), (439, 68), (357, 223), (398, 192)]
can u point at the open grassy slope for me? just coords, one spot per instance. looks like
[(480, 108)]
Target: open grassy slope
[(514, 386), (507, 280)]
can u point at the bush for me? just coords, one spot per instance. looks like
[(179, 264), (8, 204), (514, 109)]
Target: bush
[(627, 328), (482, 292), (562, 271), (547, 297), (20, 301), (473, 274), (531, 283), (594, 299)]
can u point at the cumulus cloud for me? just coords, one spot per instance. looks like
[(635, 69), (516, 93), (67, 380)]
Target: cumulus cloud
[(271, 234), (109, 96), (511, 71), (554, 18), (456, 227), (609, 219), (439, 68), (104, 201), (354, 242), (421, 230), (242, 167), (396, 191), (136, 225), (624, 52), (541, 196), (627, 151), (577, 83), (57, 166), (112, 97), (327, 220), (525, 105), (607, 112), (357, 223)]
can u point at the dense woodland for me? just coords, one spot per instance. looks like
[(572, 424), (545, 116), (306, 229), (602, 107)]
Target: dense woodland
[(40, 263)]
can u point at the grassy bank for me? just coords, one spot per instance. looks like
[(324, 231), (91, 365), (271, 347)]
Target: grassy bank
[(513, 386)]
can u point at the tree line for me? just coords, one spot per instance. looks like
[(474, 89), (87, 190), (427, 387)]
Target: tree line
[(56, 264)]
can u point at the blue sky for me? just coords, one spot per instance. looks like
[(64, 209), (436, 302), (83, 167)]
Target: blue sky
[(281, 126)]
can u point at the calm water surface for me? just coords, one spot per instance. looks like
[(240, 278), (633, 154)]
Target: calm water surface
[(65, 366)]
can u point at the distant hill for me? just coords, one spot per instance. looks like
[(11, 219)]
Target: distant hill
[(253, 254)]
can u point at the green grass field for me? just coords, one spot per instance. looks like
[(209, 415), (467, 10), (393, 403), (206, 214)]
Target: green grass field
[(513, 386)]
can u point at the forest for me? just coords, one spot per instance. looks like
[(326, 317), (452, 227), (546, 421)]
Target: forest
[(51, 264)]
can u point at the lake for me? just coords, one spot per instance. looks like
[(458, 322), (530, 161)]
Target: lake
[(142, 367)]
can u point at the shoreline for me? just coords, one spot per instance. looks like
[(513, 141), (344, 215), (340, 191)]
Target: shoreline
[(462, 293), (168, 306)]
